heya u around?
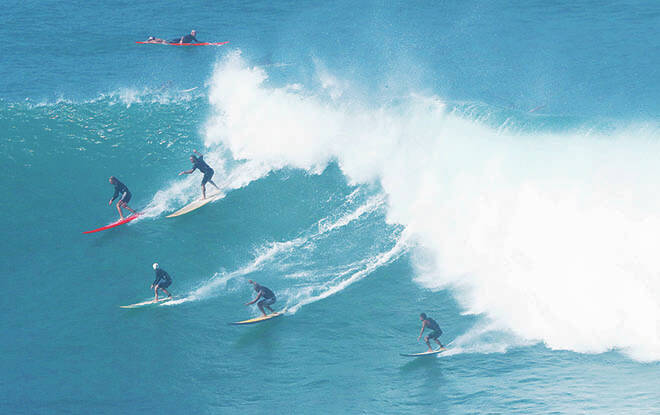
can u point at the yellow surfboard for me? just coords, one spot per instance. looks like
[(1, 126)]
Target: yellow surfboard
[(136, 305), (195, 205), (259, 319), (431, 353)]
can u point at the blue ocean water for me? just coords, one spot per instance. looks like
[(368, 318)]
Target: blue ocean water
[(492, 164)]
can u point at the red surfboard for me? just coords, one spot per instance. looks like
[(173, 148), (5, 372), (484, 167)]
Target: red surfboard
[(114, 224), (185, 44)]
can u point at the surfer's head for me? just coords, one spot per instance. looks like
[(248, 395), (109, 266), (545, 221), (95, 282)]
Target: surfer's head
[(112, 180), (193, 32), (422, 316), (156, 265), (193, 159), (151, 38), (256, 286)]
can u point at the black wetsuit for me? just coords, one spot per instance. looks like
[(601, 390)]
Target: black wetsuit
[(201, 165), (163, 279), (121, 189), (267, 295), (433, 325), (186, 39)]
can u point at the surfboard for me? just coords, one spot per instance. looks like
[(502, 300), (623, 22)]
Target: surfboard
[(259, 319), (136, 305), (195, 205), (114, 224), (432, 353), (185, 44)]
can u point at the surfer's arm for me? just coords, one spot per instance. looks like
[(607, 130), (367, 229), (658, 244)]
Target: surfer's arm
[(255, 300), (188, 171), (115, 195), (422, 332)]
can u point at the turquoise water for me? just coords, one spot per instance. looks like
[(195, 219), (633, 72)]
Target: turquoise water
[(492, 165)]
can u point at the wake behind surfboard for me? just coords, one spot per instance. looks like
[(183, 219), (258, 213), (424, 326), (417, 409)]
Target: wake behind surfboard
[(259, 319), (195, 205), (185, 44), (145, 303), (431, 353), (115, 224)]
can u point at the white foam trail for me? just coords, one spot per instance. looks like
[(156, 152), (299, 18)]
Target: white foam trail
[(274, 250), (552, 236), (372, 204), (307, 295)]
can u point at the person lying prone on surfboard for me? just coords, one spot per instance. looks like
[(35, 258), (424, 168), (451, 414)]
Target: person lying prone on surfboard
[(200, 164), (186, 39), (268, 298), (120, 189), (432, 325), (162, 281)]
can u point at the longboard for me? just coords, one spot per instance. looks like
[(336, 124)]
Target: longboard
[(432, 353), (114, 224), (184, 44), (194, 205), (259, 319), (136, 305)]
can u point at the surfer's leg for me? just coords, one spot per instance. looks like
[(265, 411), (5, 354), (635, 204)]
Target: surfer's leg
[(260, 304), (156, 292), (203, 191), (121, 216), (268, 303), (166, 292), (216, 186), (426, 340)]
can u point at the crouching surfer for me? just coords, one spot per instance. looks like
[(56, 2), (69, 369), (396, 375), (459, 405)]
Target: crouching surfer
[(162, 281), (266, 295), (436, 331)]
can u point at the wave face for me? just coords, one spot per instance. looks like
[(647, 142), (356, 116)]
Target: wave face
[(550, 235)]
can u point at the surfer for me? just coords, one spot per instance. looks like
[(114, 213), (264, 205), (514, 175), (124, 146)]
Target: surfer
[(268, 298), (162, 281), (186, 39), (432, 325), (199, 163), (120, 189)]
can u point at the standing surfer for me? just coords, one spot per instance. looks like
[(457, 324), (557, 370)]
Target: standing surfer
[(268, 298), (436, 331), (162, 281), (199, 163), (120, 189)]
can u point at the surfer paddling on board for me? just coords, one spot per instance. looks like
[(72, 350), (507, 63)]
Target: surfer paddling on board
[(120, 189), (187, 38), (432, 325), (200, 164), (267, 296), (162, 281)]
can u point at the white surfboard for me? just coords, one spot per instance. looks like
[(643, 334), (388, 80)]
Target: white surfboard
[(195, 205), (259, 319), (136, 305), (431, 353)]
